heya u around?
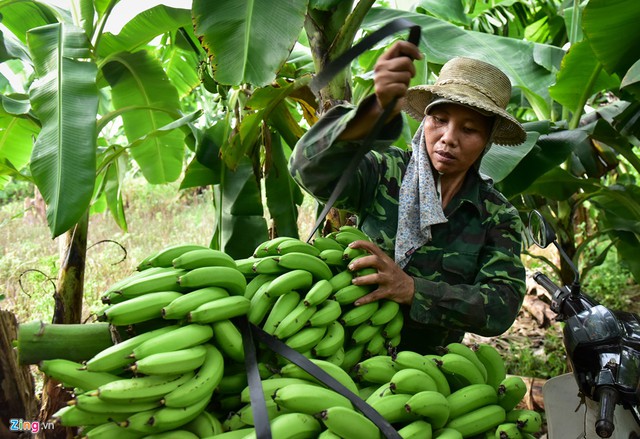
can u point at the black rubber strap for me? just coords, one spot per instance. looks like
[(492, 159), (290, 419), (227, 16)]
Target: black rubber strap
[(300, 360), (329, 72), (258, 405)]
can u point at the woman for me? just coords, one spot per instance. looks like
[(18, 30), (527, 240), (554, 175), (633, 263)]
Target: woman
[(444, 242)]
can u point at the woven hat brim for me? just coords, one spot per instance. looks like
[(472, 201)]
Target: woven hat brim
[(507, 131)]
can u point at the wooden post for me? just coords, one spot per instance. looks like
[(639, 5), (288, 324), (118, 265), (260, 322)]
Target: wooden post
[(17, 393)]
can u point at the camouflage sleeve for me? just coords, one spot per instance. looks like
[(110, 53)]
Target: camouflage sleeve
[(319, 159), (490, 305)]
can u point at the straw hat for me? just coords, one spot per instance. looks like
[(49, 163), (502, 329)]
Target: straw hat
[(475, 84)]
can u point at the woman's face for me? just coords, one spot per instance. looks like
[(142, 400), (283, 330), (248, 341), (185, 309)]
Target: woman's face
[(455, 136)]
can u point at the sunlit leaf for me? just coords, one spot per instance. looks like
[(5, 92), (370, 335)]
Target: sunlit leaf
[(242, 38), (65, 99), (501, 160), (283, 194)]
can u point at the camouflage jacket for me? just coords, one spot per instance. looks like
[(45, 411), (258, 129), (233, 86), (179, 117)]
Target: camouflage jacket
[(469, 278)]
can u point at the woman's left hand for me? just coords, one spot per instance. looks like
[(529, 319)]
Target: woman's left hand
[(393, 283)]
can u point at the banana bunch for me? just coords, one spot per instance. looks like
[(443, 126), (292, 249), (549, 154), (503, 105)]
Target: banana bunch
[(181, 374)]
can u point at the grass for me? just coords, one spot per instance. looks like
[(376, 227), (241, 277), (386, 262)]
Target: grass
[(158, 216)]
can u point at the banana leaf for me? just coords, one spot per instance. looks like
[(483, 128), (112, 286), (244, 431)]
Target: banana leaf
[(283, 194), (143, 28), (500, 160), (249, 40), (243, 225), (19, 16), (206, 167), (65, 99), (611, 27), (137, 79), (16, 139), (525, 63)]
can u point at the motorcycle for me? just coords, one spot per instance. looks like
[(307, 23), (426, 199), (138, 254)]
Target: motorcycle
[(600, 398)]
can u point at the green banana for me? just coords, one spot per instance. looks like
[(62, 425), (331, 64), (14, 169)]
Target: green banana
[(318, 293), (309, 398), (479, 420), (306, 338), (91, 403), (326, 313), (231, 279), (72, 416), (220, 309), (393, 343), (292, 426), (260, 305), (165, 279), (204, 425), (470, 398), (245, 266), (417, 429), (447, 433), (341, 280), (364, 332), (117, 356), (508, 430), (336, 358), (529, 421), (270, 385), (493, 363), (233, 422), (72, 374), (394, 327), (328, 434), (292, 370), (350, 293), (302, 261), (207, 257), (348, 423), (181, 306), (268, 265), (511, 391), (376, 346), (352, 356), (140, 309), (232, 383), (381, 391), (460, 371), (256, 283), (281, 308), (270, 246), (202, 384), (142, 389), (385, 313), (358, 314), (430, 405), (115, 287), (291, 280), (324, 243), (241, 433), (179, 338), (346, 237), (469, 354), (333, 257), (379, 369), (356, 231), (174, 362), (332, 341), (273, 411), (111, 430), (392, 408), (350, 253), (173, 434), (164, 418), (412, 381), (165, 257), (295, 321), (229, 339), (298, 246), (409, 359)]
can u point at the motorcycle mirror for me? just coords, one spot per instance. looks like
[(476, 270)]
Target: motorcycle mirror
[(540, 232)]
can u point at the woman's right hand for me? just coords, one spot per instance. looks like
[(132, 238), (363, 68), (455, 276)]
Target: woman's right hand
[(393, 72)]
